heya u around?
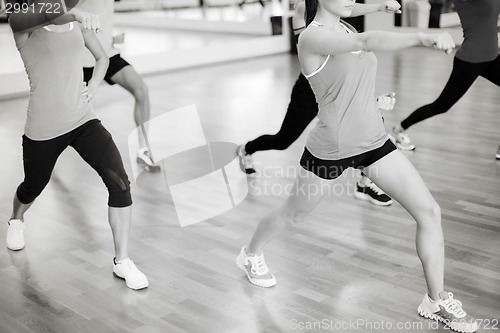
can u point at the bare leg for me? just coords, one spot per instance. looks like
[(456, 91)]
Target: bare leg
[(129, 79), (305, 195), (398, 178), (18, 209), (119, 220)]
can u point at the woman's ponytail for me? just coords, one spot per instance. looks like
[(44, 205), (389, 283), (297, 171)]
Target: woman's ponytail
[(311, 10)]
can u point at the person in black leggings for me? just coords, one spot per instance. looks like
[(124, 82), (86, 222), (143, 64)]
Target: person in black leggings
[(478, 56), (303, 108)]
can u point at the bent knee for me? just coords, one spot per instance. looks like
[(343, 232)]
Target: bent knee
[(431, 214), (434, 211), (120, 199), (115, 177), (141, 91), (26, 194)]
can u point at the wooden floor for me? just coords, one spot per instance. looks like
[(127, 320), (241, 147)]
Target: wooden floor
[(350, 267)]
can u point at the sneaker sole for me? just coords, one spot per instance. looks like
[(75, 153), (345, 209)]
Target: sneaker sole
[(19, 248), (252, 281), (142, 286), (366, 197), (434, 316), (403, 147)]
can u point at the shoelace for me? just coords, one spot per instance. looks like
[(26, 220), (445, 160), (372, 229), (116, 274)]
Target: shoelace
[(259, 266), (130, 265), (375, 188), (454, 306)]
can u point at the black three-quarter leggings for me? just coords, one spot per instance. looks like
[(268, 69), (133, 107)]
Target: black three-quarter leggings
[(302, 109), (94, 144), (462, 77)]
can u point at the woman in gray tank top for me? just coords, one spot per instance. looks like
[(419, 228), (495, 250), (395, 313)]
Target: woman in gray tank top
[(303, 108), (60, 115), (341, 68)]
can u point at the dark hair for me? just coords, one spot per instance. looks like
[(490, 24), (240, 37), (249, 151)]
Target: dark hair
[(311, 10)]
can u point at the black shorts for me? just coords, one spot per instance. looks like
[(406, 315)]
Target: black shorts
[(116, 64), (331, 169)]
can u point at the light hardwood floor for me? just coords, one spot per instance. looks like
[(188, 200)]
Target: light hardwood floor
[(350, 266)]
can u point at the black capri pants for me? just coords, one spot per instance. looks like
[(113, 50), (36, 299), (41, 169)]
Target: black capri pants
[(94, 144)]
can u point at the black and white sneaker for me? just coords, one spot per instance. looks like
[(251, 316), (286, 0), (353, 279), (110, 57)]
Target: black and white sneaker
[(372, 193), (498, 153), (246, 161)]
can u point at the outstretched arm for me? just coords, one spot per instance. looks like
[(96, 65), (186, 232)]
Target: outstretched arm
[(316, 42), (37, 15), (390, 6), (321, 41)]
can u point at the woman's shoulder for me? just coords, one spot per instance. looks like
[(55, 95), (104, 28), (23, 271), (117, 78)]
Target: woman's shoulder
[(317, 33)]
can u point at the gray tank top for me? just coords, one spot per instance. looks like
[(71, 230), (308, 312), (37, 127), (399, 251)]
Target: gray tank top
[(350, 123), (479, 20), (53, 62)]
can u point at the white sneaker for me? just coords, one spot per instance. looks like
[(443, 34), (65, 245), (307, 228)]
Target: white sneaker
[(256, 269), (15, 235), (449, 311), (134, 278), (403, 141), (246, 161), (144, 159)]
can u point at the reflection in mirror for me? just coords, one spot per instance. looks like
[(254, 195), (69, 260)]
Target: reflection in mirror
[(440, 8), (163, 35), (216, 29)]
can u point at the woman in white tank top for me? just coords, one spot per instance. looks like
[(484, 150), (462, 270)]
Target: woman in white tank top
[(341, 69)]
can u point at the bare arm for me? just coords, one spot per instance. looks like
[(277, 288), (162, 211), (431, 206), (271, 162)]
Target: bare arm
[(26, 18), (32, 20), (390, 6), (101, 64), (323, 41), (316, 42), (24, 23)]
